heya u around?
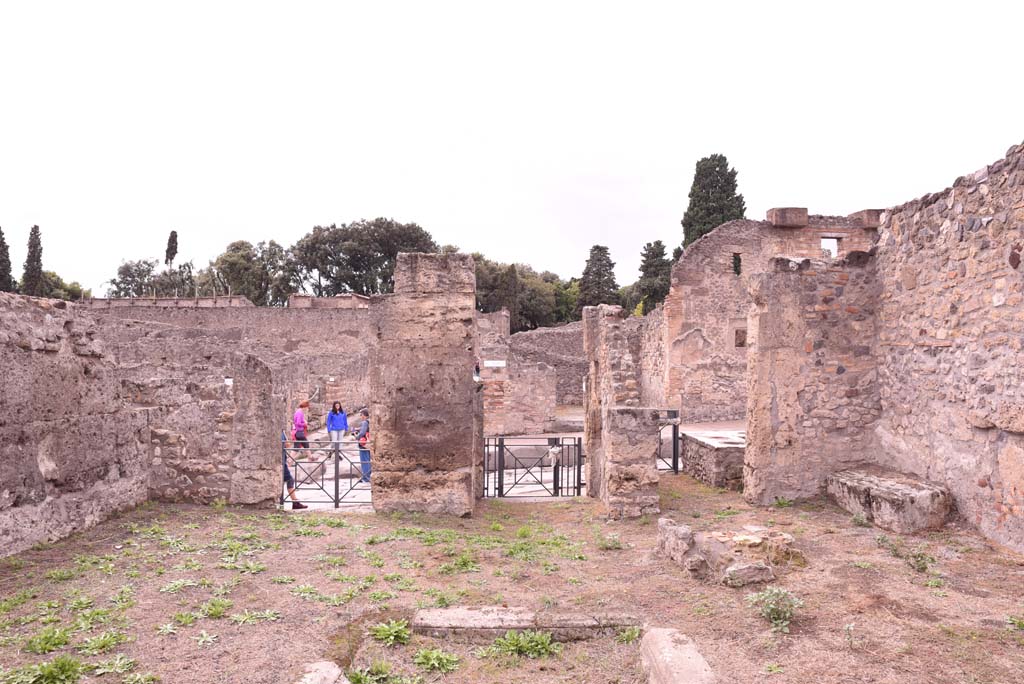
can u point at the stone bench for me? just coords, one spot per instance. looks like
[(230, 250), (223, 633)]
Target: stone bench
[(891, 500), (483, 625)]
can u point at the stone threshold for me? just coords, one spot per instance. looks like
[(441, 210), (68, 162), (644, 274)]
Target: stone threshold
[(483, 625)]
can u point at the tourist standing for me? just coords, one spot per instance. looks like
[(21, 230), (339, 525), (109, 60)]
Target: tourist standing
[(337, 423), (299, 424), (363, 437)]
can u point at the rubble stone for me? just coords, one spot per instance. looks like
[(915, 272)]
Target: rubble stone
[(670, 657)]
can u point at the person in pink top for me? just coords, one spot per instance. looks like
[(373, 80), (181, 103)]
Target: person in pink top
[(299, 423)]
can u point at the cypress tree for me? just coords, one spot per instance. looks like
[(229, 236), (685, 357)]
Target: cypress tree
[(655, 275), (32, 281), (598, 286), (713, 198), (6, 279), (172, 248)]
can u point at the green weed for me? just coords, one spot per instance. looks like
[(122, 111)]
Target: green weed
[(392, 632), (47, 640), (777, 605), (436, 660)]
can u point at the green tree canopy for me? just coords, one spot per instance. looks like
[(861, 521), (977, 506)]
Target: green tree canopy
[(32, 282), (357, 257), (56, 288), (172, 248), (655, 275), (7, 283), (713, 198), (597, 286), (134, 279), (531, 298), (262, 273)]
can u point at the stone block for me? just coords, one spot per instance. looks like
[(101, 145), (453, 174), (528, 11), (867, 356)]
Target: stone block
[(891, 500), (436, 492), (670, 657), (731, 558), (483, 625), (867, 218), (788, 217)]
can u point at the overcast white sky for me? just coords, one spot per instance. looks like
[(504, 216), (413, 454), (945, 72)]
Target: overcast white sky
[(527, 131)]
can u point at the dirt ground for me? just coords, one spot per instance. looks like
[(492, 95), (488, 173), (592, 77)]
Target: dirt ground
[(303, 587)]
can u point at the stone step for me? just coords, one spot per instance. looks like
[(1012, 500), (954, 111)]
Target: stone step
[(483, 625), (891, 500), (670, 657)]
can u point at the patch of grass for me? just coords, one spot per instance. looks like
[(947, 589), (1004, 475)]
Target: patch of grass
[(102, 642), (436, 660), (934, 583), (392, 632), (782, 502), (863, 565), (917, 558), (282, 579), (205, 639), (177, 585), (609, 543), (1016, 622), (166, 629), (381, 596), (80, 603), (91, 617), (859, 520), (464, 562), (124, 598), (777, 605), (628, 635), (378, 673), (527, 643), (306, 592), (726, 513), (185, 619), (248, 617), (444, 599), (140, 678), (16, 601), (216, 608), (61, 670), (47, 640), (773, 668), (60, 575), (119, 664)]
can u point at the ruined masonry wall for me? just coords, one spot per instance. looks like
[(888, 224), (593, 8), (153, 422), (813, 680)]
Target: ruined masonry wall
[(426, 412), (72, 450), (212, 425), (652, 359), (952, 343), (813, 382), (561, 348), (706, 308)]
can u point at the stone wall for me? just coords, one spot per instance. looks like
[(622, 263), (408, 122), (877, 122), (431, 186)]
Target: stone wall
[(561, 348), (952, 337), (73, 449), (230, 302), (713, 464), (620, 438), (652, 358), (342, 301), (425, 408), (214, 415), (706, 308), (813, 380)]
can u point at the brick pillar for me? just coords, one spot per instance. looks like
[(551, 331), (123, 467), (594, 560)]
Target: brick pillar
[(426, 415)]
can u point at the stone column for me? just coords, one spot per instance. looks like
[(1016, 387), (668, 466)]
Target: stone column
[(426, 414)]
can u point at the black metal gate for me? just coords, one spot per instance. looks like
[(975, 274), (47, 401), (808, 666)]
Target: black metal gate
[(533, 466), (323, 473)]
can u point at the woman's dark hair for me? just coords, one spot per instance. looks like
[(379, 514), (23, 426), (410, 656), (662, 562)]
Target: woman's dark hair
[(336, 407), (365, 412)]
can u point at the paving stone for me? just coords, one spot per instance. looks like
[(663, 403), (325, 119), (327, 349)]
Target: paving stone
[(891, 500), (323, 672), (482, 625), (670, 657)]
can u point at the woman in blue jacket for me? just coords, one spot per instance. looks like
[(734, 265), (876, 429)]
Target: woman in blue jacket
[(337, 423)]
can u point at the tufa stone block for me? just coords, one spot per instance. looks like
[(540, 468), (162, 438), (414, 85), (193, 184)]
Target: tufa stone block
[(788, 217), (891, 500), (670, 657), (867, 218)]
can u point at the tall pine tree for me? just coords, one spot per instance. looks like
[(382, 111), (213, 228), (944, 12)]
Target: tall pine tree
[(655, 275), (598, 286), (6, 279), (713, 198), (32, 281), (172, 248)]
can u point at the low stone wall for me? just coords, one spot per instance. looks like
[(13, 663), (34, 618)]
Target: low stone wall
[(73, 450), (813, 378), (228, 302), (715, 466)]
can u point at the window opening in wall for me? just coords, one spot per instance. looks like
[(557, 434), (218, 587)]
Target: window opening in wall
[(741, 337), (737, 263), (830, 245)]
